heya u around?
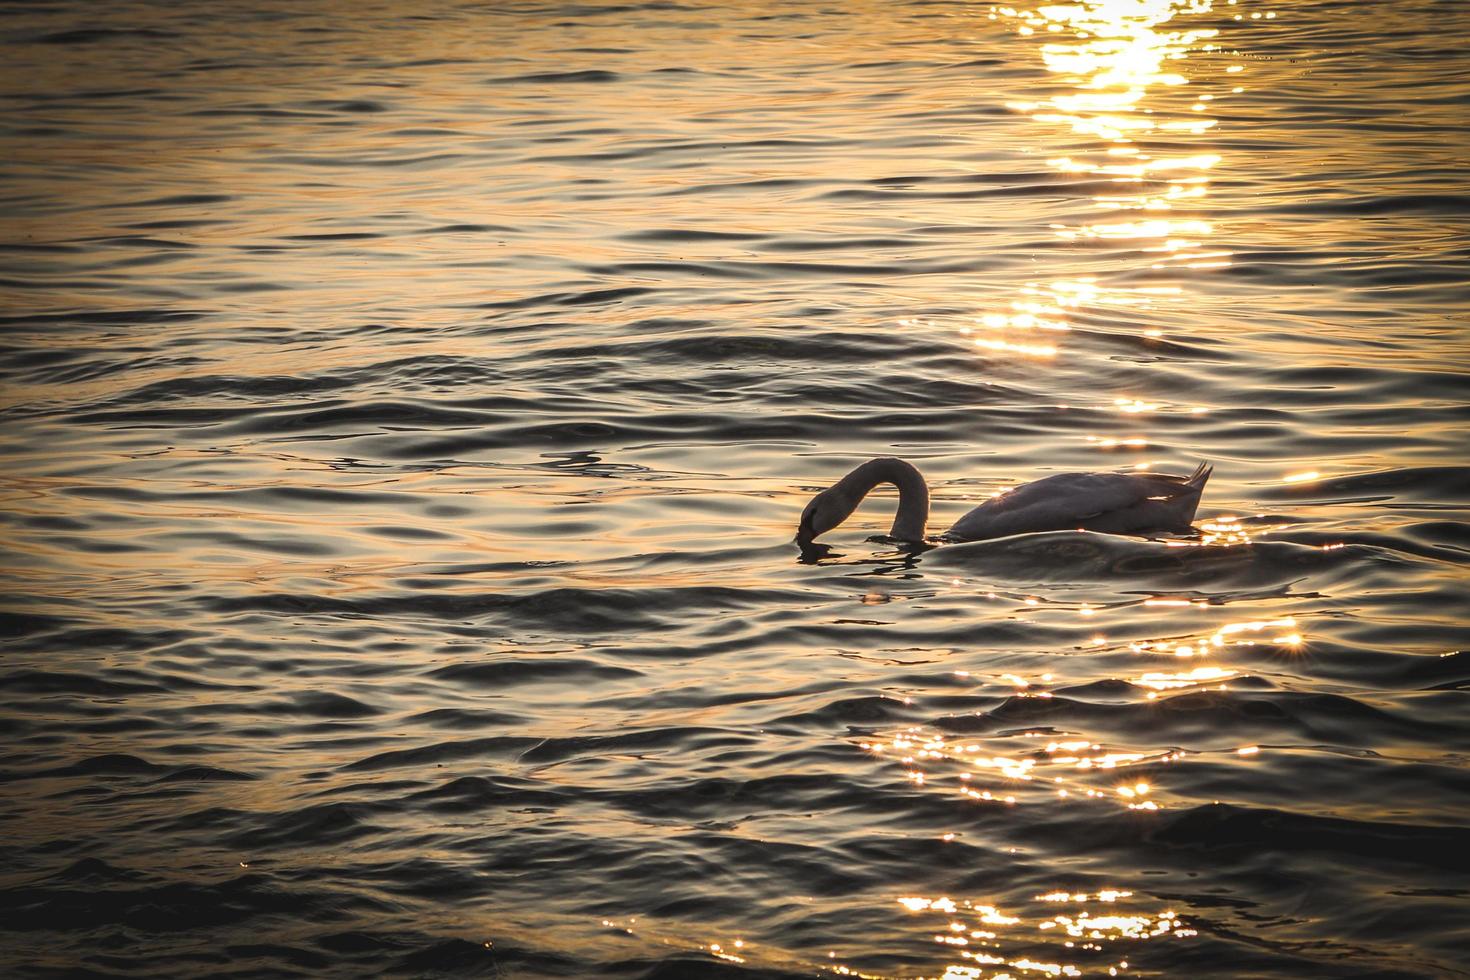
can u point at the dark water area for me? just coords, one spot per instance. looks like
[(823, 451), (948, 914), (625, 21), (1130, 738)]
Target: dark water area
[(406, 410)]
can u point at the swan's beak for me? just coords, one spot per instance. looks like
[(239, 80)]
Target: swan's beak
[(804, 533), (816, 518)]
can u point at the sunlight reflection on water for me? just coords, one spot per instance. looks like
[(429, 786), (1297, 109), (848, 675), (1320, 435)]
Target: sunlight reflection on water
[(1104, 938), (1121, 58)]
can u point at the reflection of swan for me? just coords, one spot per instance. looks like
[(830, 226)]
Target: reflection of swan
[(1117, 503)]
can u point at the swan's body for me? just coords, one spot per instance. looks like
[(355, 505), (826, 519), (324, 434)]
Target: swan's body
[(1116, 503)]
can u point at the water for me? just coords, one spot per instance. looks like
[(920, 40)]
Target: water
[(407, 410)]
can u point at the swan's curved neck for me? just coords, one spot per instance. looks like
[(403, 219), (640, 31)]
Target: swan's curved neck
[(913, 493)]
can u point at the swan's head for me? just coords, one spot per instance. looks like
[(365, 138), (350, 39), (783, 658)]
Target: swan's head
[(824, 512)]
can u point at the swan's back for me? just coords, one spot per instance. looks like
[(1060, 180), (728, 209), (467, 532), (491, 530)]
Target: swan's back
[(1116, 503)]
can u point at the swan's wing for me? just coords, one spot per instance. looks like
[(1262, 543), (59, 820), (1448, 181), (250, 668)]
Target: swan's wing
[(1065, 501)]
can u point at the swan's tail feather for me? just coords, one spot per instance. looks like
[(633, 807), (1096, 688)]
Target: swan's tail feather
[(1195, 489), (1167, 486)]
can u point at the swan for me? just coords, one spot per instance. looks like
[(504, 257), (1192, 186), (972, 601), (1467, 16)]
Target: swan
[(1116, 503)]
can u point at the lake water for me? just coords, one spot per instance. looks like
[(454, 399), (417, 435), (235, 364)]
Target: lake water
[(407, 409)]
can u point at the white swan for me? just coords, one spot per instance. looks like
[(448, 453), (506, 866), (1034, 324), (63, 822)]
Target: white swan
[(1117, 503)]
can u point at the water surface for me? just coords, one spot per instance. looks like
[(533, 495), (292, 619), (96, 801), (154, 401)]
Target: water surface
[(407, 410)]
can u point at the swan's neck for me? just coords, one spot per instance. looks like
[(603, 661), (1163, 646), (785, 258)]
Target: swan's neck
[(913, 493)]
